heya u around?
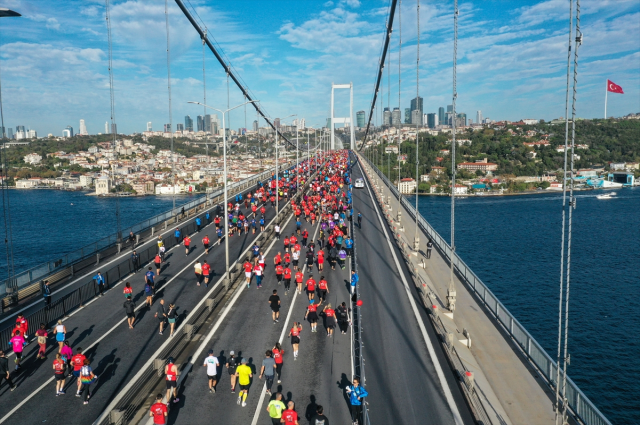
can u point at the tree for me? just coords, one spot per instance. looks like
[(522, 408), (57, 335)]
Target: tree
[(424, 187)]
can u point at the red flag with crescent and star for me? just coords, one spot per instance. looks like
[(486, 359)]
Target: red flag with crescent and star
[(613, 87)]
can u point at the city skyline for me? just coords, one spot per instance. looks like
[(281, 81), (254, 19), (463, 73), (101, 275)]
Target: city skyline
[(511, 66)]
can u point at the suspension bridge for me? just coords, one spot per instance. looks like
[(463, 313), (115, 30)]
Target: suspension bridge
[(429, 341)]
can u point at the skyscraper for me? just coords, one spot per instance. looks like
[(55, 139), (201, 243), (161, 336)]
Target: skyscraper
[(3, 132), (20, 128), (386, 117), (462, 120), (167, 128), (255, 125), (479, 117), (188, 123), (416, 105), (114, 128), (207, 123), (149, 128), (416, 117), (179, 127), (83, 129), (106, 127), (449, 108), (396, 117), (200, 123), (441, 116), (360, 118), (9, 133), (432, 120), (70, 130), (407, 115), (276, 123)]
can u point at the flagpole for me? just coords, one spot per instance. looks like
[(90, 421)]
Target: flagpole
[(606, 92)]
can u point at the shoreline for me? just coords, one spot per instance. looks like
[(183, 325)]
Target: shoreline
[(524, 193)]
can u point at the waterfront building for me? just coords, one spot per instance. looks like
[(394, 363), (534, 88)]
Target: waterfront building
[(407, 186), (103, 186), (481, 165)]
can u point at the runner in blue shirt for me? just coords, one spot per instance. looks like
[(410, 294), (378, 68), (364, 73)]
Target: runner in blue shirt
[(354, 281), (177, 236), (198, 223), (99, 279)]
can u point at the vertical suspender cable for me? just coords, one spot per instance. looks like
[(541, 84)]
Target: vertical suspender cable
[(173, 174), (572, 205), (204, 91), (418, 106), (114, 127), (564, 203), (399, 133), (451, 299), (229, 113)]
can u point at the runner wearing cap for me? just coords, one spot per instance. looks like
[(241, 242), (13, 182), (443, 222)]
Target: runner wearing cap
[(171, 372), (232, 364), (244, 374), (211, 362)]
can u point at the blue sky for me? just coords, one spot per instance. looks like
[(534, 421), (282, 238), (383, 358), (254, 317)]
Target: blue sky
[(511, 55)]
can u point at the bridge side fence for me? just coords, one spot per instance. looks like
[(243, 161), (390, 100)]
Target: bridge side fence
[(581, 407), (27, 282)]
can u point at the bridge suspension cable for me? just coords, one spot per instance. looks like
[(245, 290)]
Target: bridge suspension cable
[(173, 175), (416, 239), (451, 292), (226, 65), (392, 11)]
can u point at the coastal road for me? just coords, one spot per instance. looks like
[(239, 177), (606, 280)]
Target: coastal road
[(317, 377), (116, 352), (407, 375)]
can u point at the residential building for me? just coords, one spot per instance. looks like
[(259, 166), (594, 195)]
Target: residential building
[(27, 183), (114, 128), (614, 165), (391, 149), (481, 165), (144, 187), (360, 118), (438, 170), (32, 158), (86, 181), (407, 186), (276, 123), (103, 186), (83, 129), (31, 134), (461, 189), (424, 178)]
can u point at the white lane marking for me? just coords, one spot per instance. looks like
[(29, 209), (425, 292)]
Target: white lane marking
[(256, 415), (423, 330), (155, 355)]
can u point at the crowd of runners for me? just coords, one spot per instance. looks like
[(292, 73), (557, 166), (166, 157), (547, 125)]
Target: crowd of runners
[(325, 205)]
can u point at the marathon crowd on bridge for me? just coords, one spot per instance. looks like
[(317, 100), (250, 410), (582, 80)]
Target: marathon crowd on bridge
[(325, 202)]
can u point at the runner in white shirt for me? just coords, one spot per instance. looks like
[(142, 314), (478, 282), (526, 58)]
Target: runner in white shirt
[(277, 229), (212, 364)]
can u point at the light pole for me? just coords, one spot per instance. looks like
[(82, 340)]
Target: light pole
[(224, 156)]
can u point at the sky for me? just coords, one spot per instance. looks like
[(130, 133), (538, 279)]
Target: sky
[(512, 59)]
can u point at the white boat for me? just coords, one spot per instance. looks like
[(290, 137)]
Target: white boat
[(606, 195)]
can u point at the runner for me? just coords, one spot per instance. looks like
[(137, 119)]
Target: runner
[(279, 272), (205, 243), (60, 331), (248, 272), (275, 409), (342, 256), (171, 372), (135, 261), (158, 262), (87, 377), (287, 279), (243, 372), (319, 418), (268, 370), (286, 244), (161, 315), (330, 319), (323, 290), (278, 353), (58, 372), (130, 308), (310, 259), (299, 277), (159, 411), (41, 335), (212, 364), (198, 223), (197, 268), (277, 230), (343, 317), (99, 280), (78, 361), (296, 256), (289, 416), (206, 270), (257, 270), (18, 343), (148, 292), (187, 244), (348, 244), (320, 260), (356, 393), (354, 281), (312, 315), (172, 315), (305, 236), (67, 355), (176, 234), (294, 333), (232, 364), (311, 287), (360, 220), (274, 302)]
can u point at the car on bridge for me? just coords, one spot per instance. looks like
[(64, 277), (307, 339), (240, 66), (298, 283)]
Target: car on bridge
[(359, 183)]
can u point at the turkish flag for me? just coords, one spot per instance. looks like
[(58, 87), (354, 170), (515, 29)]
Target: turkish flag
[(613, 87)]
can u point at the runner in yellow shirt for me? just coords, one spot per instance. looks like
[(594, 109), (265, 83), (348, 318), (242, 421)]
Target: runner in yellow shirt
[(244, 374)]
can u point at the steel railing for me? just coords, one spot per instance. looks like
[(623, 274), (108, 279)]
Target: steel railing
[(580, 405), (28, 277)]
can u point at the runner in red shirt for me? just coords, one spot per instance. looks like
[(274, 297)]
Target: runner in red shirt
[(286, 244), (206, 269), (277, 259), (311, 287), (320, 260), (263, 210), (289, 416), (293, 240), (330, 315), (128, 290), (294, 333), (278, 352), (287, 279), (58, 370), (159, 411), (187, 242), (312, 315), (205, 243), (217, 221), (299, 277), (323, 289), (279, 272), (248, 271), (77, 361), (287, 259)]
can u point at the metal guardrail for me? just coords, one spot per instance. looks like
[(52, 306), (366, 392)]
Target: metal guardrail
[(28, 277), (582, 408)]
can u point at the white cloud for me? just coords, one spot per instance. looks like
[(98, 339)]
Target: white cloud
[(53, 24)]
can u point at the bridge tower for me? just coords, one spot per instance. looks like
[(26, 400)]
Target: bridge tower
[(338, 120)]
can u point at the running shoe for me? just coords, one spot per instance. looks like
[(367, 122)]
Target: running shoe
[(239, 401), (244, 404)]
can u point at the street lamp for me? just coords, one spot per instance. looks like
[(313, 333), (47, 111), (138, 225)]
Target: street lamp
[(224, 156)]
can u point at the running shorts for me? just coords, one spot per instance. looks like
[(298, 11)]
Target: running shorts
[(244, 387), (295, 339), (171, 384), (131, 315), (59, 376)]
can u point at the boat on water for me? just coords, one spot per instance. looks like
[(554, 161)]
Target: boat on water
[(606, 195)]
